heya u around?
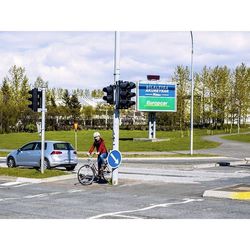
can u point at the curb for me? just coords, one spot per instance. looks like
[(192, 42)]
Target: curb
[(236, 192), (50, 179)]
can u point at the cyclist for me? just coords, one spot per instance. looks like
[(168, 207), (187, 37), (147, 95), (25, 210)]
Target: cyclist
[(101, 150)]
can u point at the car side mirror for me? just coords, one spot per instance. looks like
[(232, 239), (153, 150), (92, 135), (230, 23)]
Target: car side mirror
[(19, 150)]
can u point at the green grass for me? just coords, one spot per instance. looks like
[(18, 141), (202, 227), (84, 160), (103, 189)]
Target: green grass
[(239, 137), (85, 139), (29, 173), (144, 155), (3, 154)]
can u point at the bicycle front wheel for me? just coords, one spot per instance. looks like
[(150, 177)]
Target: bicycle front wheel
[(86, 175)]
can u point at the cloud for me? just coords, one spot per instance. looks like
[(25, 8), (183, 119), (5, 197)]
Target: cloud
[(86, 59)]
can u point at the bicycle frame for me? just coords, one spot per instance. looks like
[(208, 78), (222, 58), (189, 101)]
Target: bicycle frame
[(93, 164)]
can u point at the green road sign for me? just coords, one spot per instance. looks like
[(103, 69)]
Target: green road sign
[(154, 96)]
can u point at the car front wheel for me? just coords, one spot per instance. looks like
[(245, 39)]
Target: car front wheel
[(11, 162)]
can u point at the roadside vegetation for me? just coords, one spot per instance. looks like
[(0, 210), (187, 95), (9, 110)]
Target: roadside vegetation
[(30, 173), (221, 98), (3, 153), (177, 141)]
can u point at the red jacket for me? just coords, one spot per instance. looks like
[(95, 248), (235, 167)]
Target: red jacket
[(100, 147)]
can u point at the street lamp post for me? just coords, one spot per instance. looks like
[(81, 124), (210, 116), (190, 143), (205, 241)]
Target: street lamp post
[(238, 109), (192, 97)]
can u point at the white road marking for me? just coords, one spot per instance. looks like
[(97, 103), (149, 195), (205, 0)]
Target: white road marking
[(12, 183), (42, 195), (146, 208), (21, 185), (54, 193), (35, 196), (75, 190), (126, 216), (7, 199)]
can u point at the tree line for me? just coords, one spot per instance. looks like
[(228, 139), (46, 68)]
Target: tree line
[(221, 100)]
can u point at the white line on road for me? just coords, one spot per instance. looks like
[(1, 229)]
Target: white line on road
[(54, 193), (126, 216), (42, 195), (35, 196), (75, 190), (21, 185), (12, 183), (146, 208)]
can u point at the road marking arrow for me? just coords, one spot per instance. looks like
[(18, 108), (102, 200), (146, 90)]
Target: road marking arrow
[(116, 160)]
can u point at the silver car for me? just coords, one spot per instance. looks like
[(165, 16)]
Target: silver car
[(56, 153)]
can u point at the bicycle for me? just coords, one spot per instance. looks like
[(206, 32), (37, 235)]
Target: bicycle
[(88, 172)]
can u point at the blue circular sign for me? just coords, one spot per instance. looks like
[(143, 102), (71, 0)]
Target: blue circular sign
[(114, 158)]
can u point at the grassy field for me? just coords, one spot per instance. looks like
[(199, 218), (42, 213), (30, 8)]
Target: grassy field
[(240, 137), (85, 139), (29, 173), (177, 140)]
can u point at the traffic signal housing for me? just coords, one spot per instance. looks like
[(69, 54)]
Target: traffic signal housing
[(36, 99), (125, 94), (109, 98)]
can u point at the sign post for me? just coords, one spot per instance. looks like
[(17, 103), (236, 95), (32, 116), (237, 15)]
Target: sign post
[(75, 128)]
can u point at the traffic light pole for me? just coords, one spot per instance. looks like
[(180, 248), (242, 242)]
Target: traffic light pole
[(116, 116), (43, 128)]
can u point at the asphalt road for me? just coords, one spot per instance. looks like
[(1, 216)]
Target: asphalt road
[(150, 189), (178, 194)]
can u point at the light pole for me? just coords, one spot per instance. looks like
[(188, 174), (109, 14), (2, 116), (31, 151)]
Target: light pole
[(238, 109), (192, 97)]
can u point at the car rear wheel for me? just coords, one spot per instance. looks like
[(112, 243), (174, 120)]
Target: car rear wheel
[(46, 164), (11, 162), (70, 168)]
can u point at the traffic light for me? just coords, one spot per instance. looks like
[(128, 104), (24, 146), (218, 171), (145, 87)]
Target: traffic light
[(36, 99), (39, 99), (109, 98), (125, 94)]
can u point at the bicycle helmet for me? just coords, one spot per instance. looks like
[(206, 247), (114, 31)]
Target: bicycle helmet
[(96, 134)]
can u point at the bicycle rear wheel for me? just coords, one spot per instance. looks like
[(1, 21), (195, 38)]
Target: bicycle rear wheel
[(86, 175)]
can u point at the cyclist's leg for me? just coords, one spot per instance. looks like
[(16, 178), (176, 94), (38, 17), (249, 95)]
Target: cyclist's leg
[(103, 158), (101, 163)]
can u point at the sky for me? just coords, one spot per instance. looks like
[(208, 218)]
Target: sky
[(86, 59)]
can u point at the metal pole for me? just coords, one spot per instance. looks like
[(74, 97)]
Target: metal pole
[(238, 119), (116, 116), (43, 129), (150, 131), (76, 140), (154, 125), (192, 97)]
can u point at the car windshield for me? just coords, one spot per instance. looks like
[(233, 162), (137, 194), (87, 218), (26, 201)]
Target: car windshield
[(63, 146)]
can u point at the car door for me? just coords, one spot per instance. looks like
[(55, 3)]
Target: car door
[(24, 157), (36, 156)]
